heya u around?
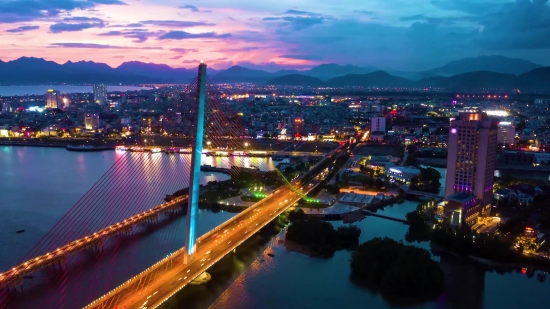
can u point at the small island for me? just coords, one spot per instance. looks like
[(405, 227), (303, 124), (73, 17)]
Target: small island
[(318, 237), (399, 272)]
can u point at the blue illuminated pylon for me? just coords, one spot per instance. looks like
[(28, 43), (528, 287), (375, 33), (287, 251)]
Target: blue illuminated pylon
[(196, 154)]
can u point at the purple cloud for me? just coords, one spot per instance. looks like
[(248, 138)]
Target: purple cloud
[(183, 35), (29, 10), (23, 29), (140, 35), (98, 46), (177, 23), (78, 23), (193, 8), (184, 50)]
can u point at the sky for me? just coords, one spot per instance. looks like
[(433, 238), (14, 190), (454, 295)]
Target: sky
[(406, 35)]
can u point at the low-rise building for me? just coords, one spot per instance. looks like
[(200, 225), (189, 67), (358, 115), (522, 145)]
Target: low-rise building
[(356, 199), (518, 157), (462, 209), (402, 173)]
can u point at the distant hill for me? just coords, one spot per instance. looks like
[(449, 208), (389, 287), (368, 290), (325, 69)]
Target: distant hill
[(239, 74), (498, 64), (296, 80), (535, 80), (32, 71), (469, 73), (471, 80), (374, 79), (332, 70), (157, 71)]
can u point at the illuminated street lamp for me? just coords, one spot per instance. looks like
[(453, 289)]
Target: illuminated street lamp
[(245, 145), (208, 143)]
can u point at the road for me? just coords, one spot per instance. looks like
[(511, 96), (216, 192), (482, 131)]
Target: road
[(158, 283)]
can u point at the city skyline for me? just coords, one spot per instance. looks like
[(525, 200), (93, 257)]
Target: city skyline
[(273, 36)]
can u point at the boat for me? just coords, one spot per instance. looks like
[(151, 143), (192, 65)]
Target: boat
[(87, 148), (20, 231)]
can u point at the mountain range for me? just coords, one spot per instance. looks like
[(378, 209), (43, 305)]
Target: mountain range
[(536, 80), (479, 72)]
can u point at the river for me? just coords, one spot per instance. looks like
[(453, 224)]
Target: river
[(39, 185), (292, 280), (40, 90)]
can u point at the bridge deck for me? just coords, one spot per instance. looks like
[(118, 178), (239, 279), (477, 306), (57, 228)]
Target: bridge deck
[(171, 274), (17, 273)]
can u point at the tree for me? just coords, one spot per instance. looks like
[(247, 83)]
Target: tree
[(411, 160), (296, 215), (379, 183), (400, 192), (396, 270), (301, 166)]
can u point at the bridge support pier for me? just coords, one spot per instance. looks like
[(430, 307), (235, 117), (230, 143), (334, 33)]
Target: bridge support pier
[(196, 150)]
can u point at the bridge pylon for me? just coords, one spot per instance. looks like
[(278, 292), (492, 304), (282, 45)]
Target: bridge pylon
[(196, 154)]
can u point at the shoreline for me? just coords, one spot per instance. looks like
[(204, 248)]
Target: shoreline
[(442, 163), (483, 261)]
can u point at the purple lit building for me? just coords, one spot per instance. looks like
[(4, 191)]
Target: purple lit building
[(471, 161)]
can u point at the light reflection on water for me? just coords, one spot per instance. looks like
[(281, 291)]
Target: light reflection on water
[(39, 185), (291, 280)]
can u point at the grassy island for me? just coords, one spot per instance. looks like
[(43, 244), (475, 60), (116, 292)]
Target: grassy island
[(396, 270), (320, 238)]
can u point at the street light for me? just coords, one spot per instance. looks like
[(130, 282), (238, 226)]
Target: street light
[(245, 145), (208, 143)]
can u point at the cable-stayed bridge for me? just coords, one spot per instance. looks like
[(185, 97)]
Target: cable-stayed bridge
[(90, 259)]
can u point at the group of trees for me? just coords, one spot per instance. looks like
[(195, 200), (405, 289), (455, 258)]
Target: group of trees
[(319, 236), (397, 270), (466, 242), (246, 178), (427, 180)]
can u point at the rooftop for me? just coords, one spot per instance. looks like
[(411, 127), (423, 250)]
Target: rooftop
[(405, 169), (461, 197), (357, 198)]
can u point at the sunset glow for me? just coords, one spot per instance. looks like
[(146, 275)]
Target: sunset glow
[(267, 35)]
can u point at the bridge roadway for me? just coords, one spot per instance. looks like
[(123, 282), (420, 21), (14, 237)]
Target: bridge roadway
[(16, 274), (171, 274)]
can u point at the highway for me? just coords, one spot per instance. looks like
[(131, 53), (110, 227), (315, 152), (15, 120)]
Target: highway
[(171, 275)]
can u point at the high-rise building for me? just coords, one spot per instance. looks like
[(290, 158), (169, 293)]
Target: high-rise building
[(66, 102), (178, 117), (100, 94), (53, 99), (378, 124), (298, 125), (471, 164), (91, 121), (506, 133)]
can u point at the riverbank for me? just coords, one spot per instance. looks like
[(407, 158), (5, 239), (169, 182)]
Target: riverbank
[(438, 249), (442, 163)]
